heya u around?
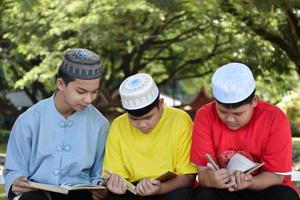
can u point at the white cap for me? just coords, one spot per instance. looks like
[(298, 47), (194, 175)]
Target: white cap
[(138, 91), (232, 83)]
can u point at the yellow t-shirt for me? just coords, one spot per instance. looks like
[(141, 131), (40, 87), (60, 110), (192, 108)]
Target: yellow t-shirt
[(135, 155)]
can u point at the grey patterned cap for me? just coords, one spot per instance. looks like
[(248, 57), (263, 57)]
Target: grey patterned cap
[(82, 64)]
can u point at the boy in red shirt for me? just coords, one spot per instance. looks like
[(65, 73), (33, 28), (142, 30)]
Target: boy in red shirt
[(238, 122)]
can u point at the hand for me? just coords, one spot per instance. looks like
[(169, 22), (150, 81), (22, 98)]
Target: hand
[(220, 179), (20, 186), (99, 194), (148, 187), (242, 181), (115, 184)]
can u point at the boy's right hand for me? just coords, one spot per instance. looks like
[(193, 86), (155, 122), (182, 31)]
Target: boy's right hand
[(20, 186), (221, 179), (116, 184)]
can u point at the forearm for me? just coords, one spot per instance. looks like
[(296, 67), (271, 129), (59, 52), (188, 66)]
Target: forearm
[(180, 181), (265, 180)]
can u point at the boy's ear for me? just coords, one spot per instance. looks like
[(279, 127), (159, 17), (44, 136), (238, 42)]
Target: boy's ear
[(254, 101), (161, 102), (60, 84)]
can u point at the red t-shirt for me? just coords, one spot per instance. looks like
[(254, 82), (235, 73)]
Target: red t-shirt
[(266, 138)]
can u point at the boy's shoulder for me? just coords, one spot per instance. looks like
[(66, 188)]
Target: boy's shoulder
[(92, 110), (38, 107), (174, 112), (268, 108)]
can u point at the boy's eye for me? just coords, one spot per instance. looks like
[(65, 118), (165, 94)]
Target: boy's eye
[(80, 92)]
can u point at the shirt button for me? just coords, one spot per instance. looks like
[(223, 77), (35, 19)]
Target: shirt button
[(62, 124), (56, 172), (59, 148), (70, 123), (67, 148)]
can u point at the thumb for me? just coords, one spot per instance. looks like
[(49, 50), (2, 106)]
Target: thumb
[(23, 178), (210, 166), (154, 182)]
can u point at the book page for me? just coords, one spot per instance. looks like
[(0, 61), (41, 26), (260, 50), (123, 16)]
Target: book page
[(240, 163), (48, 187), (258, 165), (81, 186)]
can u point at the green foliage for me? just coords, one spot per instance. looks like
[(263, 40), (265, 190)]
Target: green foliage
[(173, 40), (290, 104), (4, 135)]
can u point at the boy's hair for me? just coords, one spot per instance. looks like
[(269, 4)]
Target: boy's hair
[(65, 77), (238, 104), (142, 111)]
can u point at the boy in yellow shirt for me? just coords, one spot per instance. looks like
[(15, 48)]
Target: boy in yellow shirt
[(146, 142)]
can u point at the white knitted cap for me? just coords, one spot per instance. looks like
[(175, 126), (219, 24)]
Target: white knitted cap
[(138, 91), (232, 83)]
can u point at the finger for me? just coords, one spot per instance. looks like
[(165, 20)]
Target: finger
[(248, 177), (210, 166), (238, 178), (143, 187), (154, 182), (22, 178), (19, 190), (228, 185), (139, 189), (149, 185)]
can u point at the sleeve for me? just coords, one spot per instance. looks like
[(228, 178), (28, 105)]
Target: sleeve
[(183, 165), (113, 157), (277, 154), (18, 153), (202, 141), (95, 175)]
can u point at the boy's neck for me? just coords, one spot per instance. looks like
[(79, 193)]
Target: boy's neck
[(62, 106)]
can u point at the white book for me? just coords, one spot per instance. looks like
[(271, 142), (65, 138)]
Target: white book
[(241, 163), (238, 162)]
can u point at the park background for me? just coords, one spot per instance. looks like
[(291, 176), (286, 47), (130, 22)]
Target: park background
[(179, 42)]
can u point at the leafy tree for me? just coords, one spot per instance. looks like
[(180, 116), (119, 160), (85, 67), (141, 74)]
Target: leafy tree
[(176, 41)]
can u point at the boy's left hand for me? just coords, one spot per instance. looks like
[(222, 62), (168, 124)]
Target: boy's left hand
[(148, 187), (242, 181)]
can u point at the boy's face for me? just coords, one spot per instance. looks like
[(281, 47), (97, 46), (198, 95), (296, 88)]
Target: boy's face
[(235, 118), (78, 94), (146, 123)]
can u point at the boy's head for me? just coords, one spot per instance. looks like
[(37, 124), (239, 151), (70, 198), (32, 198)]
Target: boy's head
[(234, 90), (140, 98), (78, 78)]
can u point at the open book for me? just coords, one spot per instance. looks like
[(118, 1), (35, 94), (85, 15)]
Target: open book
[(238, 162), (166, 176), (64, 188), (130, 187)]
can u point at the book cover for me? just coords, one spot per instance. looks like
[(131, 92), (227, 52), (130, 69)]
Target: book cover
[(166, 176)]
